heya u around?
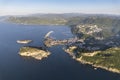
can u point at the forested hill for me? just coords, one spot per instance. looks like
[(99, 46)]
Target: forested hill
[(66, 19), (43, 19)]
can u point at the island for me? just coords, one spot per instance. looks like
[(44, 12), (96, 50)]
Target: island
[(34, 52), (24, 41)]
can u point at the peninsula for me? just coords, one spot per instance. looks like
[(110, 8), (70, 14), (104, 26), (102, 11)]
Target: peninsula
[(107, 59)]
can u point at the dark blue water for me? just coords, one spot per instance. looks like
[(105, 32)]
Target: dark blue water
[(58, 66)]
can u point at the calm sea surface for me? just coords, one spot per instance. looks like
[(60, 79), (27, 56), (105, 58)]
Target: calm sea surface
[(58, 66)]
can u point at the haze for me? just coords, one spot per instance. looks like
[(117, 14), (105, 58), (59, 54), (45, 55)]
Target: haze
[(23, 7)]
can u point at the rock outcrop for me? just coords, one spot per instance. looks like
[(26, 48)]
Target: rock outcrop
[(34, 52), (24, 41)]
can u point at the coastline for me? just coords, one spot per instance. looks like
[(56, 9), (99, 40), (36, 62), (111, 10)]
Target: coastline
[(114, 70), (36, 24)]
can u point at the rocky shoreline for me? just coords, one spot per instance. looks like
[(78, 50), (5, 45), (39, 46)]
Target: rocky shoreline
[(34, 52), (70, 53), (24, 41), (114, 70)]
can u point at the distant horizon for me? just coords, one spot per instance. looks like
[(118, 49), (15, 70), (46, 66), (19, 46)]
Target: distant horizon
[(25, 14), (26, 7), (60, 13)]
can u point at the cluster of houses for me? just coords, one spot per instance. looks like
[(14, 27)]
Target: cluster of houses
[(89, 29)]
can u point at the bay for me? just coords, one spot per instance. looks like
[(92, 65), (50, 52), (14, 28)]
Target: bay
[(58, 66)]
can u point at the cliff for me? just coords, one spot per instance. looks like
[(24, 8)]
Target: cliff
[(107, 59)]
